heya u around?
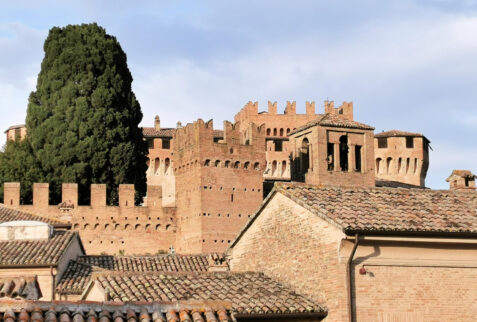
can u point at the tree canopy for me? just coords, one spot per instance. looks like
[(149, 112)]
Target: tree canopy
[(83, 118)]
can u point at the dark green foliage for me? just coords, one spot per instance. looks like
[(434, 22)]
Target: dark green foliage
[(82, 120)]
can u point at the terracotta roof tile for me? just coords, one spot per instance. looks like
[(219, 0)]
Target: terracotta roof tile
[(462, 174), (20, 288), (36, 252), (10, 214), (390, 133), (152, 132), (78, 273), (105, 312), (333, 120), (388, 209), (248, 292)]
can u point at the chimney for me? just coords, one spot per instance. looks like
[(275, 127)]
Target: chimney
[(157, 123), (461, 180)]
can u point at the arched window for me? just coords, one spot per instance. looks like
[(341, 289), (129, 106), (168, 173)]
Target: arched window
[(274, 168), (388, 164), (288, 131), (378, 165), (127, 226), (344, 153), (284, 167), (207, 163), (281, 132), (256, 166), (86, 226), (217, 163), (116, 226), (275, 132), (304, 156), (399, 165), (269, 132), (246, 165), (106, 226), (96, 226), (408, 164), (415, 165), (227, 164), (158, 226), (137, 226), (236, 164), (157, 163), (167, 164)]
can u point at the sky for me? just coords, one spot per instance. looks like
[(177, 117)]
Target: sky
[(407, 65)]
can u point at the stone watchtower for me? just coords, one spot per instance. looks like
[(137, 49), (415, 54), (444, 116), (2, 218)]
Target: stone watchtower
[(219, 183), (333, 149), (401, 157)]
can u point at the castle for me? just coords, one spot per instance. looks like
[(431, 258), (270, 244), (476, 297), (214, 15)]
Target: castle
[(204, 184)]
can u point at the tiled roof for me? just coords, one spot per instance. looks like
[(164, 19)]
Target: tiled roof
[(396, 184), (152, 132), (78, 273), (10, 214), (462, 174), (20, 287), (18, 126), (395, 133), (169, 132), (36, 252), (248, 292), (109, 312), (333, 120), (388, 209)]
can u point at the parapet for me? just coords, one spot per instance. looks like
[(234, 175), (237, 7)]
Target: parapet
[(251, 109), (345, 110), (69, 196)]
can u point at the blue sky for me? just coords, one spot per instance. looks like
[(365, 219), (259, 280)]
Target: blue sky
[(408, 65)]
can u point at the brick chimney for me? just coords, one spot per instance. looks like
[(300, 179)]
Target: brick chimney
[(157, 123), (461, 180)]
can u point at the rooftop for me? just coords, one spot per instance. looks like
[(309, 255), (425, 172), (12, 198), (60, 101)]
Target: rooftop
[(11, 311), (333, 120), (13, 127), (462, 173), (388, 209), (397, 133), (248, 292), (78, 273), (43, 252), (150, 132), (10, 214), (20, 288)]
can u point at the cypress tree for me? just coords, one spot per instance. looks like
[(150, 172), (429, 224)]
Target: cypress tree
[(83, 118)]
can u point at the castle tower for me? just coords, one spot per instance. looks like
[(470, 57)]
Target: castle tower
[(219, 183), (401, 157), (333, 150)]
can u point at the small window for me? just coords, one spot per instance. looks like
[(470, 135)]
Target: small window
[(236, 164), (166, 144), (227, 164), (278, 145), (246, 165), (382, 143), (216, 140), (217, 163), (409, 142), (150, 143), (206, 163), (256, 166), (269, 132)]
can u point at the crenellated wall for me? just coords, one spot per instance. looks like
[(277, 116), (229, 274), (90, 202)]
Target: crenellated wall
[(125, 228)]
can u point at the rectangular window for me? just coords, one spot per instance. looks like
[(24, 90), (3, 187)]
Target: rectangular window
[(329, 156), (409, 142), (278, 145), (18, 134), (382, 143), (150, 143), (357, 157), (166, 144)]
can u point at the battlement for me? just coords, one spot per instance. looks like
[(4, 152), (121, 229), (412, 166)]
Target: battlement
[(69, 195), (233, 133), (345, 110), (251, 109)]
